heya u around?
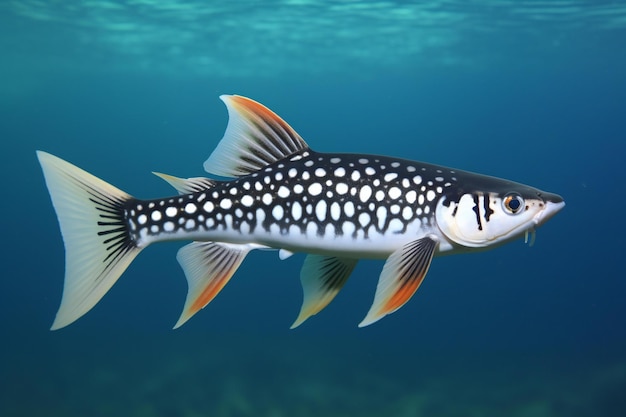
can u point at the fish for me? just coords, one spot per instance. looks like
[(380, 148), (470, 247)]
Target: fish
[(270, 190)]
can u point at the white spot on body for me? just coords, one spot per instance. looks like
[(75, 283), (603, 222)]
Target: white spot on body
[(278, 212), (430, 195), (348, 208), (417, 179), (171, 211), (156, 215), (190, 224), (394, 209), (341, 188), (380, 195), (348, 228), (247, 200), (363, 161), (364, 219), (335, 160), (381, 216), (267, 199), (420, 199), (390, 176), (407, 213), (311, 229), (355, 175), (320, 210), (296, 211), (283, 192), (298, 189), (292, 172), (190, 208), (142, 219), (320, 172), (410, 197), (315, 189), (365, 193), (208, 207), (260, 215), (226, 203), (394, 193), (168, 226), (340, 172), (335, 211)]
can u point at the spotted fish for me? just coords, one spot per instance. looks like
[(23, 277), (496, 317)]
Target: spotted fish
[(336, 208)]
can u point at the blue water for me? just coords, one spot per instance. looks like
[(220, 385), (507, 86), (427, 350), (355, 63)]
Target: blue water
[(533, 91)]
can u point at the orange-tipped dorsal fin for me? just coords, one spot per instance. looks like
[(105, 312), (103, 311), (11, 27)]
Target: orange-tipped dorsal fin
[(255, 137)]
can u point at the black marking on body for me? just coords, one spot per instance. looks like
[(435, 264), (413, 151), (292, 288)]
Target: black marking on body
[(486, 207), (476, 210)]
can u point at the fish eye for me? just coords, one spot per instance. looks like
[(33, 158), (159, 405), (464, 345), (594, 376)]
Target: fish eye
[(512, 203)]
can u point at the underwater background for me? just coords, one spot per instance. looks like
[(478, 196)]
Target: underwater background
[(532, 91)]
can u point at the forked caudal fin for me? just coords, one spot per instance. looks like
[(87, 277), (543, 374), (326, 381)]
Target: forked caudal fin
[(98, 246)]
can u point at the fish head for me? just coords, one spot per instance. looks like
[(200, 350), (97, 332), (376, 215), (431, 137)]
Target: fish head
[(495, 211)]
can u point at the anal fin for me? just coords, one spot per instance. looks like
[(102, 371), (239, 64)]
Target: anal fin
[(322, 278), (208, 267), (402, 275)]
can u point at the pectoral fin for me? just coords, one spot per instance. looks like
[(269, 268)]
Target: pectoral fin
[(208, 267), (402, 275), (322, 277)]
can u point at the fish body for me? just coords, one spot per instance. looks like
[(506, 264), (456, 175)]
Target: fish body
[(337, 208)]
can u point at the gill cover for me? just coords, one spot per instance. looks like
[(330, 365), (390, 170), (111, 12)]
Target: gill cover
[(478, 220)]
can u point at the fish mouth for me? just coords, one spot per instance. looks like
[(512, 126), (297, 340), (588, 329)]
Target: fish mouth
[(553, 204)]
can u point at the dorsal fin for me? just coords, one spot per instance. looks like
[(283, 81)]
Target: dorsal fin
[(187, 185), (255, 137)]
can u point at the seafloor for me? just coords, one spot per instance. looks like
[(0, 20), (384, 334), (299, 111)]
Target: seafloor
[(196, 376)]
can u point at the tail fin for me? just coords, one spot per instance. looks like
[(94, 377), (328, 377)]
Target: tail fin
[(98, 243)]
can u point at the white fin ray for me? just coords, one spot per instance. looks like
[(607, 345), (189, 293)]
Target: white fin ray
[(208, 267), (98, 247), (402, 275), (187, 185), (284, 254), (255, 137), (322, 278)]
